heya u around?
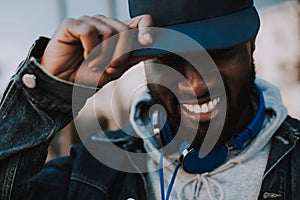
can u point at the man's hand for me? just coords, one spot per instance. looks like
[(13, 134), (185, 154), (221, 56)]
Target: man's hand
[(74, 53)]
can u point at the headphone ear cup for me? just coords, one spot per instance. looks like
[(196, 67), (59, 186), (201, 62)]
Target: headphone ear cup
[(192, 163)]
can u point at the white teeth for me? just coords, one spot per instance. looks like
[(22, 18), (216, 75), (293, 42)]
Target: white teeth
[(204, 108), (197, 109), (215, 102), (210, 105)]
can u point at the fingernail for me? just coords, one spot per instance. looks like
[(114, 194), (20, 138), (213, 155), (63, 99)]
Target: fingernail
[(94, 69), (147, 38)]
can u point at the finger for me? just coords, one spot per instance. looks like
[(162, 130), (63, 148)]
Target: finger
[(143, 23), (123, 47), (102, 55), (74, 31), (122, 52), (104, 29), (115, 24), (106, 48)]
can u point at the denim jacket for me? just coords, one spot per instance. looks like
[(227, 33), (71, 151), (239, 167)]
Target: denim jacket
[(30, 115)]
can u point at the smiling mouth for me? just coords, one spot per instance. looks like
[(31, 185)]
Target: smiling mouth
[(203, 108), (201, 112)]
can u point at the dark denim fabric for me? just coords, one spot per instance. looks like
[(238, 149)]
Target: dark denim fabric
[(282, 175), (29, 118), (81, 176)]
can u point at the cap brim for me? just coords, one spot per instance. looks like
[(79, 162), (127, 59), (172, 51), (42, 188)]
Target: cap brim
[(215, 33)]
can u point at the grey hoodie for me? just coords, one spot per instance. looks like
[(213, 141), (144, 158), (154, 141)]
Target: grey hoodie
[(240, 177)]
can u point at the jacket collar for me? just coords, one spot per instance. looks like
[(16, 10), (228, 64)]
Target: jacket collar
[(284, 141)]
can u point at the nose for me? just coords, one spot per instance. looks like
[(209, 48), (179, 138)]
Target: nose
[(194, 84)]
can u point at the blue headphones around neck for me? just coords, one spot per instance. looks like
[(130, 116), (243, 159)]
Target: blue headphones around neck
[(189, 157)]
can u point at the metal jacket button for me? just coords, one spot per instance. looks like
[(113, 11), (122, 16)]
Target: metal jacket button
[(29, 80)]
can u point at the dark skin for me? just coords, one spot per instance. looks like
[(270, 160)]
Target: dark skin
[(67, 57), (68, 54), (236, 67)]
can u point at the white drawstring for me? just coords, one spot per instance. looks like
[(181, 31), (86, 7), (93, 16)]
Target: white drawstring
[(206, 181), (198, 180), (198, 186)]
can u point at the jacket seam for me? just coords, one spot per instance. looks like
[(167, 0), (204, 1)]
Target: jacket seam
[(10, 178), (279, 160), (287, 127), (12, 90), (90, 184)]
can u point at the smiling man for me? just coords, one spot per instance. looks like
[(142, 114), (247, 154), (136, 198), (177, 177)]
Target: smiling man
[(199, 130), (236, 67)]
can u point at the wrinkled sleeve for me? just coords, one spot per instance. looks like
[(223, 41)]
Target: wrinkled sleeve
[(34, 106)]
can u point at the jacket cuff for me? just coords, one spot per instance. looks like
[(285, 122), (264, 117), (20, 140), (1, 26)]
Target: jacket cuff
[(46, 90)]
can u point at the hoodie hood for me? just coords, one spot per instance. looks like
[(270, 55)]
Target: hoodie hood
[(141, 121), (221, 181)]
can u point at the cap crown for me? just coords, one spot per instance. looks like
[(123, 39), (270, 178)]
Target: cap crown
[(169, 12)]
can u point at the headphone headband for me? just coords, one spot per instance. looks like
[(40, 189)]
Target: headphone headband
[(189, 157)]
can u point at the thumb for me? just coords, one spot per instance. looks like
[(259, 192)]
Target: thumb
[(143, 23)]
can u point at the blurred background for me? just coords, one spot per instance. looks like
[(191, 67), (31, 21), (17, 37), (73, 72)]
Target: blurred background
[(277, 55)]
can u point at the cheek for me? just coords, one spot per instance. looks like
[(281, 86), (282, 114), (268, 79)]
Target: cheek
[(238, 80), (164, 96)]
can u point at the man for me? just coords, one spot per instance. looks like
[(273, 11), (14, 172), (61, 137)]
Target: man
[(253, 150)]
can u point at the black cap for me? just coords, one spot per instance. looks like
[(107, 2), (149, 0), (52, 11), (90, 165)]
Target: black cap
[(214, 24)]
